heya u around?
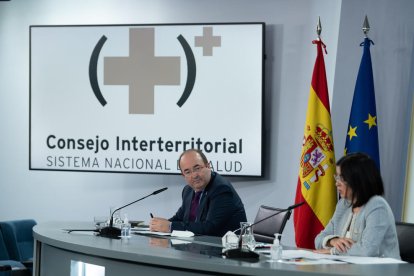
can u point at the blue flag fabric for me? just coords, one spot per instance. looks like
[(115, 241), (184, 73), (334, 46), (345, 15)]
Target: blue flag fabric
[(362, 133)]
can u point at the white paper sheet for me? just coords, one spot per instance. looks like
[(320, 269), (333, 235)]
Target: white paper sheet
[(305, 254), (182, 234)]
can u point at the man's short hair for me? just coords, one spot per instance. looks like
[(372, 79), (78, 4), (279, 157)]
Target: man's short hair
[(203, 157)]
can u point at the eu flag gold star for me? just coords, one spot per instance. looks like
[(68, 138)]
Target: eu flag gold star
[(352, 132), (371, 121)]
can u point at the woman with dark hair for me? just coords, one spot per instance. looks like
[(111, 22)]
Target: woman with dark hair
[(363, 223)]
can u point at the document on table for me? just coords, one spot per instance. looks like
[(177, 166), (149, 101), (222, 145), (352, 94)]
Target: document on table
[(302, 257), (370, 260), (182, 234), (175, 233)]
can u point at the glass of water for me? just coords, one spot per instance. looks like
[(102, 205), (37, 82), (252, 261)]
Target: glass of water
[(100, 222), (248, 241), (126, 230)]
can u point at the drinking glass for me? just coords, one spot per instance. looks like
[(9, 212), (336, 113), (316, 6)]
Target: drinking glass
[(231, 241), (117, 221), (248, 241), (100, 222), (126, 230)]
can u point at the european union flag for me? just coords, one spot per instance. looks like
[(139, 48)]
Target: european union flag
[(362, 135)]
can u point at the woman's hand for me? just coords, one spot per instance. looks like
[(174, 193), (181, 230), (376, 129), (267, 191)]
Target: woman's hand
[(341, 244)]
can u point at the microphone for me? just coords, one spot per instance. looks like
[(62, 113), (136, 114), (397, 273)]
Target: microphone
[(240, 253), (295, 206), (114, 232)]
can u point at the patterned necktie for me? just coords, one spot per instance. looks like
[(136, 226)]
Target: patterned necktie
[(194, 206)]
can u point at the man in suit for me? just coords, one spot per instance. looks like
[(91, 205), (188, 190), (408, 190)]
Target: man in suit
[(210, 204)]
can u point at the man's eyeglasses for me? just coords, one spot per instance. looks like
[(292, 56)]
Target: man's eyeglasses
[(196, 169), (338, 178)]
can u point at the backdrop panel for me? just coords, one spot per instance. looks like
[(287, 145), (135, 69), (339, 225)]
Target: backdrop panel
[(131, 98)]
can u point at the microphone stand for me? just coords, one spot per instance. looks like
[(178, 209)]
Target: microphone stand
[(240, 252), (114, 232)]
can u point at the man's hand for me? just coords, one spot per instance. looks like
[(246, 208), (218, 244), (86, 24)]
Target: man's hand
[(159, 225)]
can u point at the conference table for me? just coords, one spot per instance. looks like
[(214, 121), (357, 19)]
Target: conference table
[(83, 253)]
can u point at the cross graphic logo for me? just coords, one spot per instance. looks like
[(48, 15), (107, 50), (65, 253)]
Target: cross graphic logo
[(142, 70)]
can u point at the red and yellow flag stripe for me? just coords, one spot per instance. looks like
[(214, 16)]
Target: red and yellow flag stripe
[(316, 184)]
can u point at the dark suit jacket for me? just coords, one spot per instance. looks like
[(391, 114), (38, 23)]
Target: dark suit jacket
[(220, 209)]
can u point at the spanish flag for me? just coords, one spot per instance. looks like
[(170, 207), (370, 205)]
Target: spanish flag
[(316, 184)]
